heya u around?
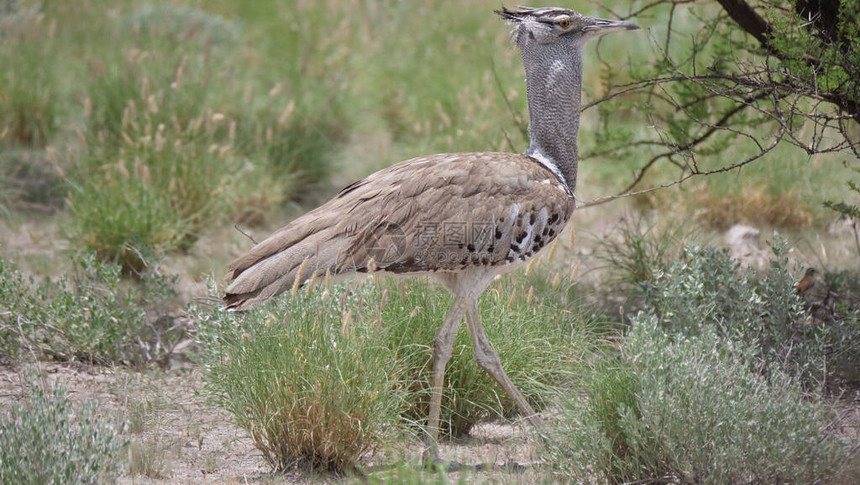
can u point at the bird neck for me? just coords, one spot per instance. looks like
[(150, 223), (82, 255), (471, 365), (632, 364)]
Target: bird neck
[(553, 85)]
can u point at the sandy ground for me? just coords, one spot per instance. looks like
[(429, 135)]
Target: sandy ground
[(175, 437)]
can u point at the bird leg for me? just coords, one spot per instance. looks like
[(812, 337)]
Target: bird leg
[(443, 345), (488, 359)]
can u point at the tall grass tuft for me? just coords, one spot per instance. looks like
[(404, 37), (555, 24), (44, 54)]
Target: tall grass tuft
[(640, 249), (30, 105), (322, 378), (31, 108), (184, 129), (536, 343), (157, 160), (312, 388), (46, 438)]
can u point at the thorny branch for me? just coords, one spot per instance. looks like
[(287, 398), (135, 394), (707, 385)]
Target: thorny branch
[(701, 99), (683, 178)]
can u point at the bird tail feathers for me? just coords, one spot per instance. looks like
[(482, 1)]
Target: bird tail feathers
[(288, 269)]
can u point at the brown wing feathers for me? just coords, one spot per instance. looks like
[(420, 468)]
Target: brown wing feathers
[(439, 213)]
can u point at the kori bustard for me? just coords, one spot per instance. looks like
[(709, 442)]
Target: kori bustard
[(462, 218)]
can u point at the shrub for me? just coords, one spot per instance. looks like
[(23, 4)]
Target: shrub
[(11, 286), (89, 316), (635, 254), (157, 159), (698, 286), (310, 388), (47, 439), (705, 288), (640, 250), (693, 409)]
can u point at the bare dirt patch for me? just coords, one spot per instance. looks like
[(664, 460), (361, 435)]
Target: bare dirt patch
[(174, 436)]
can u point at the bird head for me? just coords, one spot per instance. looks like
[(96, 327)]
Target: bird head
[(553, 25)]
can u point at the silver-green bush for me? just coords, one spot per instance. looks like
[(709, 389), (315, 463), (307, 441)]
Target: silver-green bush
[(47, 439), (705, 288), (88, 315), (693, 409)]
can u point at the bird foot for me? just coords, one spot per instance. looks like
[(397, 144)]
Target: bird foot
[(434, 463), (430, 456)]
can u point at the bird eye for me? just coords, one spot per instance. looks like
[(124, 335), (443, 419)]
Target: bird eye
[(564, 23)]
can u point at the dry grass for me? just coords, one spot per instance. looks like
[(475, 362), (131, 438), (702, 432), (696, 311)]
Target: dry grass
[(752, 205), (722, 207)]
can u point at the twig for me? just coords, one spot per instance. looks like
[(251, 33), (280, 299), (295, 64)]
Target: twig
[(602, 200), (236, 227), (514, 113)]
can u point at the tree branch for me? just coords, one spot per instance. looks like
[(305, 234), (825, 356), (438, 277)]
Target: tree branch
[(749, 20)]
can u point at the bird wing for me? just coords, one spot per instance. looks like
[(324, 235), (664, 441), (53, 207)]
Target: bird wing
[(438, 213)]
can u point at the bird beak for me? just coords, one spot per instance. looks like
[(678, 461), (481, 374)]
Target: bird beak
[(603, 26)]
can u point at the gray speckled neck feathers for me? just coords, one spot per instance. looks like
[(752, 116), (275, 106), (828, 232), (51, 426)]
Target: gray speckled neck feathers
[(553, 84)]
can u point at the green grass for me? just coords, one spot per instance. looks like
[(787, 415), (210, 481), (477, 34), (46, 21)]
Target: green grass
[(311, 390), (172, 131), (97, 82), (171, 122), (537, 344), (30, 104), (166, 119), (320, 379)]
